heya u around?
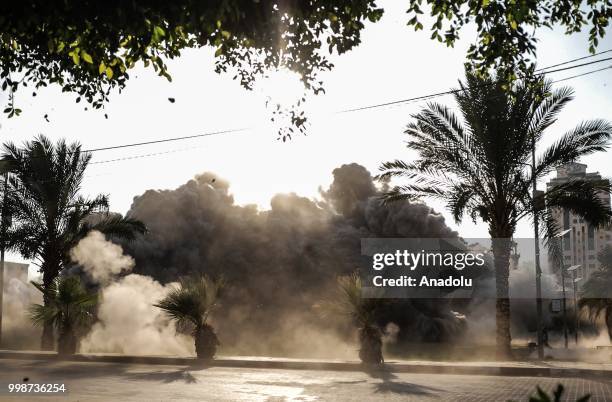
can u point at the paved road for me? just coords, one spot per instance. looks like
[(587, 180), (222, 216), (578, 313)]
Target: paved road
[(133, 382)]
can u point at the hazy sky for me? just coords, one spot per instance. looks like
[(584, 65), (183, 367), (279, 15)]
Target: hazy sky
[(393, 62)]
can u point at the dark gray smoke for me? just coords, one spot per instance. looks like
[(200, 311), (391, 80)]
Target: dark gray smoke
[(278, 261)]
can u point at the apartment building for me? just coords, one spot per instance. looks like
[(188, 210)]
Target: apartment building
[(582, 244)]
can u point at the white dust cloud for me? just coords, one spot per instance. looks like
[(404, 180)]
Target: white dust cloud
[(100, 259)]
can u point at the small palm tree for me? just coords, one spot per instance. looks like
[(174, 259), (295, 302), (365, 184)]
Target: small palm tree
[(597, 286), (190, 305), (70, 309), (480, 167), (347, 301)]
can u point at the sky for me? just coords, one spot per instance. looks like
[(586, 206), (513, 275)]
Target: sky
[(393, 62)]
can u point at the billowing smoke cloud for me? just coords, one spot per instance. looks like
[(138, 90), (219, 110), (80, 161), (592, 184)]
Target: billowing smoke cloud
[(277, 262), (280, 261), (129, 324), (99, 258)]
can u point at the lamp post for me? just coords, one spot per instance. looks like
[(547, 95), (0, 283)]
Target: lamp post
[(574, 270), (538, 269), (562, 267)]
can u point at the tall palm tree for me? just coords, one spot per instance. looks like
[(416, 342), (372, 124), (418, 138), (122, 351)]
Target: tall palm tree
[(479, 165), (190, 305), (595, 296), (363, 312), (49, 216), (69, 308)]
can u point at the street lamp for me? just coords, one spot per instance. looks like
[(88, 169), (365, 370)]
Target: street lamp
[(573, 269), (562, 267)]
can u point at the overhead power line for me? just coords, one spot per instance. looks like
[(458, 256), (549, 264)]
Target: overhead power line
[(454, 91), (583, 74), (367, 107), (575, 60), (140, 156), (424, 97), (187, 137)]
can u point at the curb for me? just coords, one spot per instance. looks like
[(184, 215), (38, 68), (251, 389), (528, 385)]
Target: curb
[(507, 371)]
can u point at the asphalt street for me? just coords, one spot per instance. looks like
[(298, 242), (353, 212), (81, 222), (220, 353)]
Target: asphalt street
[(136, 382)]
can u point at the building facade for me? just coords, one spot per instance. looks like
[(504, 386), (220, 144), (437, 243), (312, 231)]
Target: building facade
[(584, 242)]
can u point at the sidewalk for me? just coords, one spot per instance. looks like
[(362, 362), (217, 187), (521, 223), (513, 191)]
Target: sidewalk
[(522, 369)]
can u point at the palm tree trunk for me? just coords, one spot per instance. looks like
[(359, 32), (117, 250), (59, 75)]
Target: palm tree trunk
[(47, 339), (501, 255), (370, 340), (66, 342), (206, 342)]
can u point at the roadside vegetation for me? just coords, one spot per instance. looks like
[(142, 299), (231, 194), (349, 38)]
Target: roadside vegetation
[(347, 302), (69, 308), (190, 305)]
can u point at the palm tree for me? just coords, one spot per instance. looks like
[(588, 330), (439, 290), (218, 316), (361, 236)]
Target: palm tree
[(69, 309), (479, 166), (49, 216), (190, 305), (594, 290), (363, 312)]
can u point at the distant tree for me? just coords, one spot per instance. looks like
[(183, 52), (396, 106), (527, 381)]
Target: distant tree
[(596, 293), (88, 47), (190, 305), (347, 301), (49, 215), (69, 308), (481, 166)]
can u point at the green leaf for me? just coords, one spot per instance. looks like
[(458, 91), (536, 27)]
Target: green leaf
[(159, 31), (86, 57), (218, 52), (75, 58), (102, 68), (109, 73)]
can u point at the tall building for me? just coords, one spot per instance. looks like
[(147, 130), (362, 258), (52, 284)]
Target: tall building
[(582, 244)]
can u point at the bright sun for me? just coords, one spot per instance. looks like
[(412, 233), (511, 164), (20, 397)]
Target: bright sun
[(282, 87)]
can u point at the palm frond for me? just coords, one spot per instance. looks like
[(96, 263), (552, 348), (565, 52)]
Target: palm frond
[(68, 305), (117, 226), (193, 300), (587, 138), (546, 111), (347, 301), (582, 197)]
